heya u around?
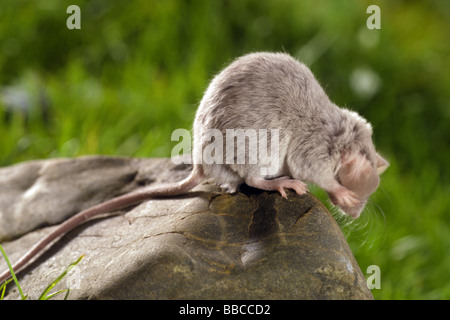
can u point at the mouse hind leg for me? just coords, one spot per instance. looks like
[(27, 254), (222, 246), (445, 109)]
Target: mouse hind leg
[(277, 184), (228, 180)]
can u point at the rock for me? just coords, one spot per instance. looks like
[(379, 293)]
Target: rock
[(202, 245)]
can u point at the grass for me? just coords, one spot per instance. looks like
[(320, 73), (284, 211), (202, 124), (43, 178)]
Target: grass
[(136, 71), (45, 295)]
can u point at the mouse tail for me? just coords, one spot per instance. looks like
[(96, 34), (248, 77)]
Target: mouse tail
[(174, 189), (170, 189)]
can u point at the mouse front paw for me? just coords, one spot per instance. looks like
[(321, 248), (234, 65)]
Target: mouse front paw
[(344, 197)]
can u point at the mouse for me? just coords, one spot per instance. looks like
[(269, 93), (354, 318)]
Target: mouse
[(317, 142)]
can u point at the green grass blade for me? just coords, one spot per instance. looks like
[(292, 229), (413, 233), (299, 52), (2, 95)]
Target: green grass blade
[(51, 295), (67, 294), (45, 294), (3, 288), (13, 275)]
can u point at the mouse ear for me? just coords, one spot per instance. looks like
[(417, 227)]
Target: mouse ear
[(382, 164)]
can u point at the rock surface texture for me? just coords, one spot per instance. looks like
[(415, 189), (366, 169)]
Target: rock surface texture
[(202, 245)]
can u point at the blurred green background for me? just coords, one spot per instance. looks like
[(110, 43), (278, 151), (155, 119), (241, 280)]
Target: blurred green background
[(137, 69)]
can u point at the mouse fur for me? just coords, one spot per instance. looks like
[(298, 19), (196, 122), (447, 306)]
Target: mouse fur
[(317, 138)]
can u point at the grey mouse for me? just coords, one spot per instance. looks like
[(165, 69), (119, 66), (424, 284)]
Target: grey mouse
[(318, 141)]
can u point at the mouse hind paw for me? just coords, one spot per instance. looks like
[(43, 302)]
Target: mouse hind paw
[(229, 188), (278, 184)]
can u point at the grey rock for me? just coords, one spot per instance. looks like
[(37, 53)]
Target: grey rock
[(202, 245)]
